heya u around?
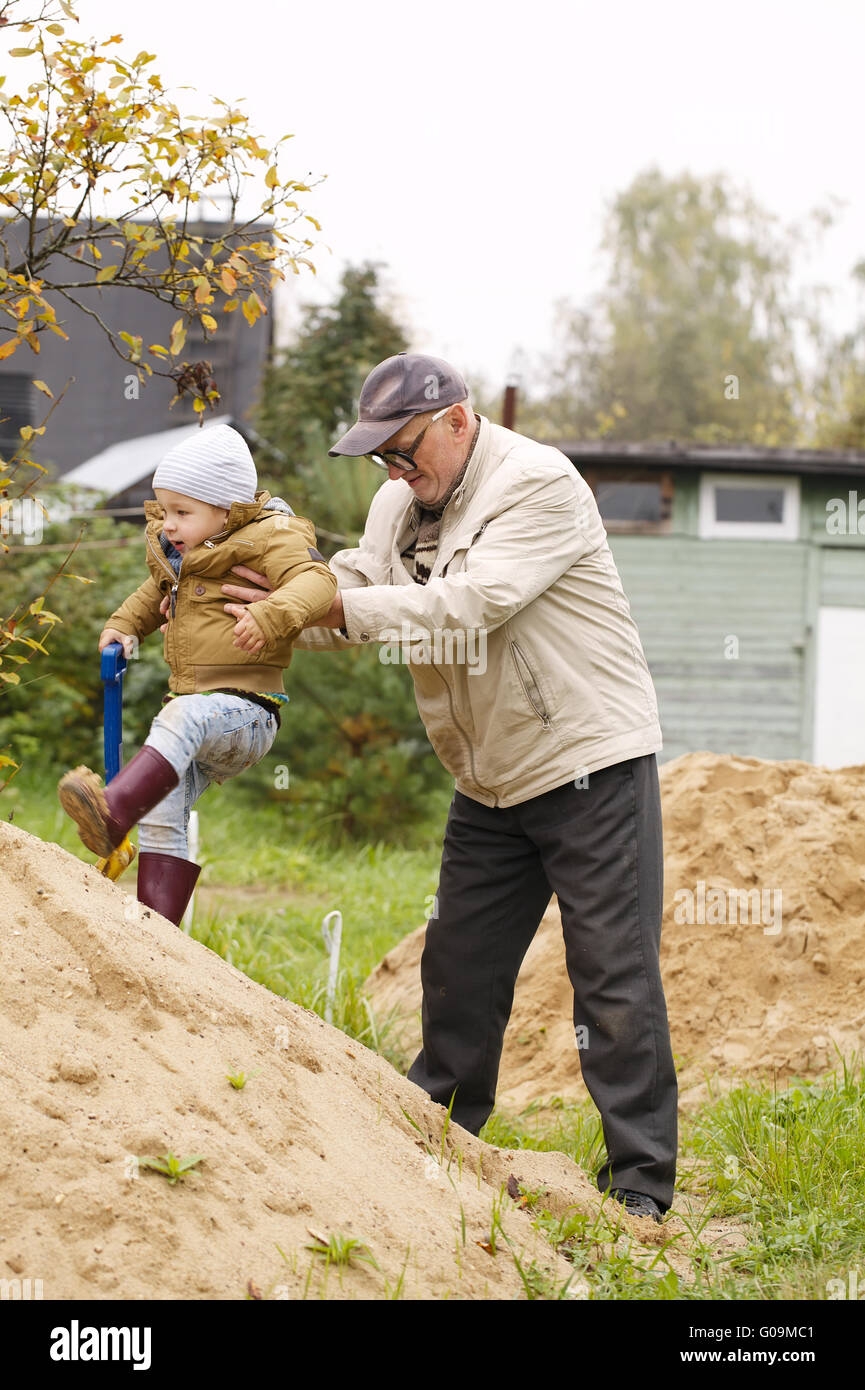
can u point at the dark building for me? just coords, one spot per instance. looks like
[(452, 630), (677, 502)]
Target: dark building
[(105, 404)]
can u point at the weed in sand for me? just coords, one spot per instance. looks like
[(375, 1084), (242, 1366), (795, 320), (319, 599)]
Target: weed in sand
[(172, 1168), (239, 1079), (341, 1250)]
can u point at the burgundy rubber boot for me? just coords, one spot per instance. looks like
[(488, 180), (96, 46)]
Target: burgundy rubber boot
[(165, 883), (105, 814)]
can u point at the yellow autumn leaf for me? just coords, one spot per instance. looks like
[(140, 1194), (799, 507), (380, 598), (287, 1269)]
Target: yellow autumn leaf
[(177, 339), (106, 273), (7, 348), (209, 322), (229, 280), (271, 178)]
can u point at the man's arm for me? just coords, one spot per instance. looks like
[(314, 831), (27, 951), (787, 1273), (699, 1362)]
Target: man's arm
[(302, 587), (352, 568), (524, 549)]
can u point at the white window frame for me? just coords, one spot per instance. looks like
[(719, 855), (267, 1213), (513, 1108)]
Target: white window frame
[(712, 529)]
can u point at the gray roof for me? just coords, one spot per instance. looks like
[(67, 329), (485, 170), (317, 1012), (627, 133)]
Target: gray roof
[(122, 465)]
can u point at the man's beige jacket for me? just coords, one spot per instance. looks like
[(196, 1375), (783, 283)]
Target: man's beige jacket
[(527, 664)]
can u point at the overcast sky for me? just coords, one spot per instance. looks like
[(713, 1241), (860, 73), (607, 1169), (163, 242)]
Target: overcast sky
[(473, 146)]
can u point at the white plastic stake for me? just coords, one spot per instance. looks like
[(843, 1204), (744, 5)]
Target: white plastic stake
[(333, 941), (192, 840)]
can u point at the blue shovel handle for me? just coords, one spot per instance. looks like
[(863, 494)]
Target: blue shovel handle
[(113, 667)]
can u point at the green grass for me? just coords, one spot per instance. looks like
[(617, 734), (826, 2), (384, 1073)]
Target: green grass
[(788, 1163)]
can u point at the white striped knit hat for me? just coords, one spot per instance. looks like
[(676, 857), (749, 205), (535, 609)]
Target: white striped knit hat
[(213, 465)]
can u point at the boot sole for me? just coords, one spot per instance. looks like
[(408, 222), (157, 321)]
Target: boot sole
[(83, 799)]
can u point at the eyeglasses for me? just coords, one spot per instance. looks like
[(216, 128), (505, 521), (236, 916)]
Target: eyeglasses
[(392, 458)]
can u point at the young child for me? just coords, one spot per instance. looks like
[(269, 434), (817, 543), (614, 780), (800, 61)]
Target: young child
[(221, 714)]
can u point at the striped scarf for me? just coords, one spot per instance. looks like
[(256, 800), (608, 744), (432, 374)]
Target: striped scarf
[(421, 556)]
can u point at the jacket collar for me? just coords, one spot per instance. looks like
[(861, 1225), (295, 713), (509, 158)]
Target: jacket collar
[(239, 514), (475, 463)]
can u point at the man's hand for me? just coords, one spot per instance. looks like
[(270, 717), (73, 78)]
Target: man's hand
[(233, 591), (247, 634), (110, 634), (334, 617), (247, 595)]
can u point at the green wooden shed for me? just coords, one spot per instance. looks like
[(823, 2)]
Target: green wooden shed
[(745, 571)]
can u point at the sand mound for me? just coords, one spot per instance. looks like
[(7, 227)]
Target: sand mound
[(116, 1034), (771, 996)]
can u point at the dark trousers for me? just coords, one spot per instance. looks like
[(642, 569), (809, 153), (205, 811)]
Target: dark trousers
[(599, 847)]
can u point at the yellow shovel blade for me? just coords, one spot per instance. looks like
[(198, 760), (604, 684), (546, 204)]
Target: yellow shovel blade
[(118, 860)]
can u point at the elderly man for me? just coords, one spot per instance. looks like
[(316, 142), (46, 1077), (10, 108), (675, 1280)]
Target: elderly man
[(485, 554)]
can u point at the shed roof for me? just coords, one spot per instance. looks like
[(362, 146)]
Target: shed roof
[(739, 458), (127, 462)]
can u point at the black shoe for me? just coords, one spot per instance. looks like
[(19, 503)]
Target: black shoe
[(637, 1203)]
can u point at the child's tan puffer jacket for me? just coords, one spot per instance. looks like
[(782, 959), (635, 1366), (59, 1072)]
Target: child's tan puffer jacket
[(199, 641)]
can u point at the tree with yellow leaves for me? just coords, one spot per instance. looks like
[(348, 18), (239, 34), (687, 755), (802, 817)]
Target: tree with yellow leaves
[(101, 177)]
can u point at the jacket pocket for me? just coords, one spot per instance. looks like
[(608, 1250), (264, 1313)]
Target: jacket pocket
[(530, 686), (459, 548)]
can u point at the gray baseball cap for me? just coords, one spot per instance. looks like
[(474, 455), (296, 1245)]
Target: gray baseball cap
[(394, 391)]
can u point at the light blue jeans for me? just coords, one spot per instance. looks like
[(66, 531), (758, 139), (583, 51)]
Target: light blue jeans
[(206, 738)]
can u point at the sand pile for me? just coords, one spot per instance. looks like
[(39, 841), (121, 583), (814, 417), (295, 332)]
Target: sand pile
[(769, 989), (116, 1035)]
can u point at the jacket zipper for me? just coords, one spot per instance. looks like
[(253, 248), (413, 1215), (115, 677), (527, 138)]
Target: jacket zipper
[(175, 579), (457, 724), (468, 742), (537, 704)]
